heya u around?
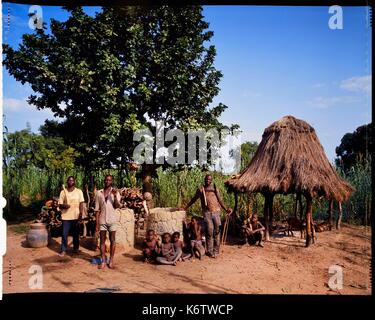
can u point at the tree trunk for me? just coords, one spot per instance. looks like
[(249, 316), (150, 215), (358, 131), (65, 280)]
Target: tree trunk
[(121, 176), (330, 209), (266, 215), (339, 218), (147, 171), (308, 219)]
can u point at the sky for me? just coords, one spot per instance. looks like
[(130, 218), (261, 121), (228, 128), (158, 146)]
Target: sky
[(275, 61)]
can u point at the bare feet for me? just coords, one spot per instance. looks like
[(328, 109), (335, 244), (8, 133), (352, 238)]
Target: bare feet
[(101, 266), (260, 244), (110, 264), (62, 254)]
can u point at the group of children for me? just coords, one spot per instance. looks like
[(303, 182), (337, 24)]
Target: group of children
[(170, 248)]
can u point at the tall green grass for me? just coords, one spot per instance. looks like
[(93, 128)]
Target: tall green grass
[(26, 189)]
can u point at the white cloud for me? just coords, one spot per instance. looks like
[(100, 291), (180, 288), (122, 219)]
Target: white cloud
[(357, 84), (15, 105), (326, 102)]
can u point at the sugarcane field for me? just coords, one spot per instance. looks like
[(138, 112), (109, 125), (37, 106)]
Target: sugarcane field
[(186, 150)]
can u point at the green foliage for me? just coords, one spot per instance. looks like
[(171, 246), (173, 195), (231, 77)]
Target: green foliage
[(110, 74), (31, 162), (23, 149), (174, 189), (358, 208), (354, 148), (248, 150)]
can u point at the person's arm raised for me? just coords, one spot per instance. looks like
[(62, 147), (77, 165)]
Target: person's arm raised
[(117, 198), (63, 199)]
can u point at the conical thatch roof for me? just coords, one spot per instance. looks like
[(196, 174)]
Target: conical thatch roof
[(291, 159)]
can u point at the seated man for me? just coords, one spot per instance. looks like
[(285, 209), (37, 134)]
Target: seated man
[(254, 230)]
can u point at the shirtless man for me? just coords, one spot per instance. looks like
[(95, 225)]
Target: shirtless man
[(211, 204), (254, 230)]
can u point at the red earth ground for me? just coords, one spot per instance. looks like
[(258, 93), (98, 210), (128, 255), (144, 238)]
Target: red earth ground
[(283, 266)]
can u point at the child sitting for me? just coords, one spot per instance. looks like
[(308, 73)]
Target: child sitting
[(150, 247), (179, 247), (197, 247), (168, 253)]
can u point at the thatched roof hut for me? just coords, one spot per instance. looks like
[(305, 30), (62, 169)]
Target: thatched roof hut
[(290, 159)]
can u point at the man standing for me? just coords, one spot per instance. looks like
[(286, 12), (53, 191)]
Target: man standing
[(71, 203), (106, 202), (211, 204)]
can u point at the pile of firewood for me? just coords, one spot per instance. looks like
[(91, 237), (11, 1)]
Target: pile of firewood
[(51, 215), (132, 198)]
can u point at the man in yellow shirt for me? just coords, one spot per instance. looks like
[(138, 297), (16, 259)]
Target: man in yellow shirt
[(71, 203)]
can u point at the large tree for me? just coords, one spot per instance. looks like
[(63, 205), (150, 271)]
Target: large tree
[(355, 147), (248, 150), (117, 71)]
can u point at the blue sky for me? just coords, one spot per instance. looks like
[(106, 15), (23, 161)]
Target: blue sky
[(276, 61)]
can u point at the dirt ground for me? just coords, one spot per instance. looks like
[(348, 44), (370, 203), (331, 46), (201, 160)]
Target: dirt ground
[(283, 266)]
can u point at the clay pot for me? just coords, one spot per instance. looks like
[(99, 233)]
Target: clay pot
[(37, 237)]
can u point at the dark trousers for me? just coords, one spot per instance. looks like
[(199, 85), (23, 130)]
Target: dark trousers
[(213, 222), (70, 225)]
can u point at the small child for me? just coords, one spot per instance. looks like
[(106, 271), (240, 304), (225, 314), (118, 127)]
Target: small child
[(197, 247), (150, 247), (167, 251), (178, 246)]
